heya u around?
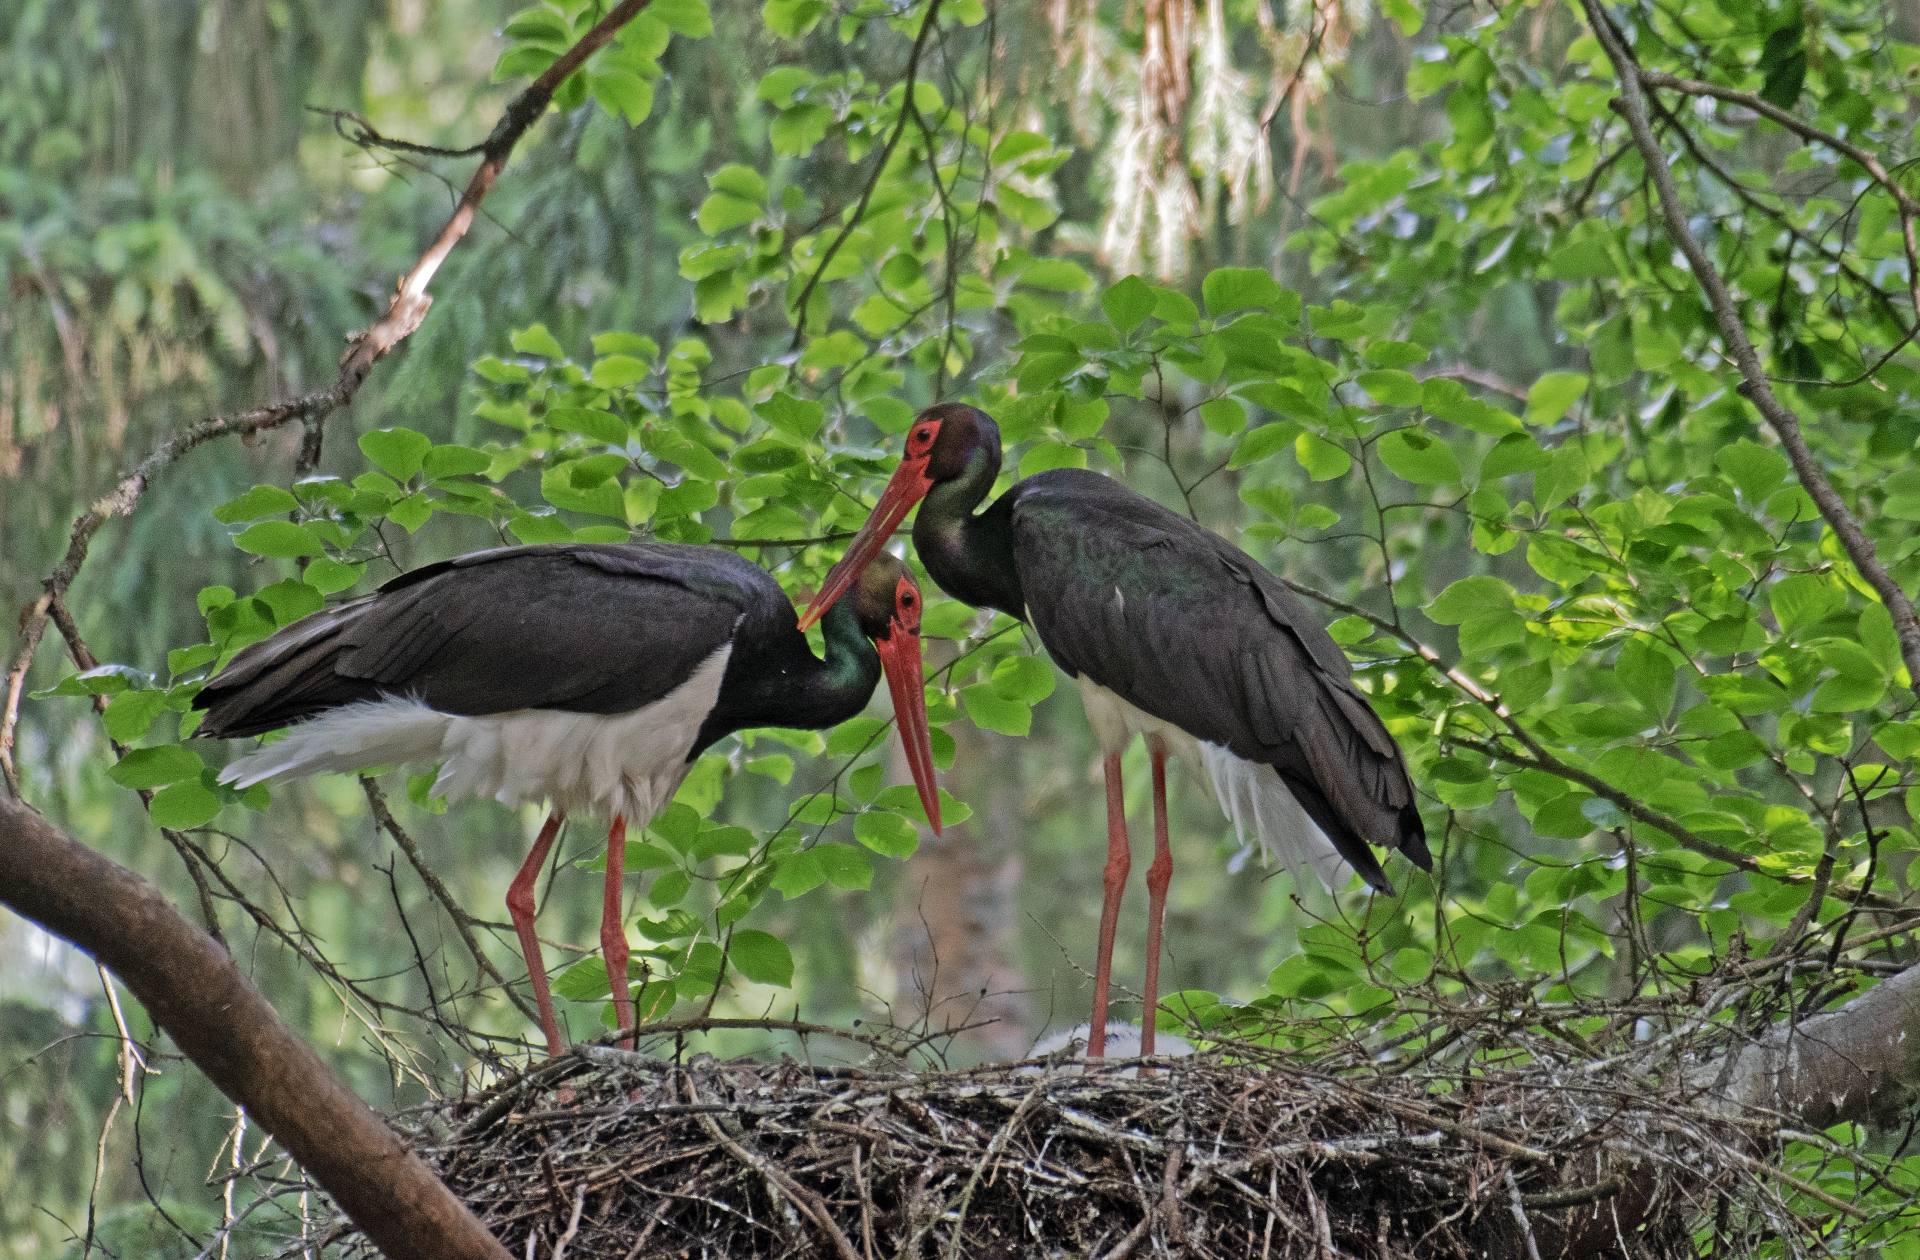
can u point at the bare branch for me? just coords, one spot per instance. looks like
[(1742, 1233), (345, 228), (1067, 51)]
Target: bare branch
[(193, 991), (1754, 386)]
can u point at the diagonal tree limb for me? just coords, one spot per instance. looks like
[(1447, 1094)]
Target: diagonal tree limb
[(1538, 756), (1754, 386), (193, 991), (404, 315)]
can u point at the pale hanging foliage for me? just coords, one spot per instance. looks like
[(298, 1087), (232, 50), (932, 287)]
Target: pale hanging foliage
[(1226, 138), (1178, 125)]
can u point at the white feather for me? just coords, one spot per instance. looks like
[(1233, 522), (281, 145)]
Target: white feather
[(1264, 813), (593, 764)]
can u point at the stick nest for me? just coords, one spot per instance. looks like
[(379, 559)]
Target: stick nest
[(610, 1153)]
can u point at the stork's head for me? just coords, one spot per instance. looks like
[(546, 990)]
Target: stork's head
[(886, 603), (943, 442), (886, 599)]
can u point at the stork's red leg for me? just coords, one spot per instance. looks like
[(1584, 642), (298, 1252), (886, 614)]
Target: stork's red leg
[(520, 909), (1159, 875), (613, 930), (1119, 862)]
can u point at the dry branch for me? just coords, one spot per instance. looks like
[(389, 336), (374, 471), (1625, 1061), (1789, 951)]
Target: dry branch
[(1755, 386), (192, 990)]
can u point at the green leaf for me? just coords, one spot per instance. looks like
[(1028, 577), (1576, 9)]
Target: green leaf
[(130, 713), (1734, 750), (1553, 394), (1223, 415), (886, 833), (722, 211), (455, 461), (690, 18), (1514, 453), (279, 540), (1804, 599), (1056, 274), (540, 25), (1236, 288), (524, 60), (1846, 693), (181, 660), (1127, 303), (1322, 459), (1415, 455), (1024, 678), (1757, 470), (1051, 454), (791, 19), (1391, 387), (844, 865), (669, 889), (621, 91), (1783, 62), (585, 981), (156, 767), (991, 711), (904, 798), (1471, 598), (399, 452), (184, 805), (1394, 354), (535, 339), (761, 957), (255, 503), (798, 874), (331, 577), (1564, 474), (290, 600), (1265, 441), (617, 371), (1647, 675), (798, 418), (799, 127), (1408, 14), (601, 426)]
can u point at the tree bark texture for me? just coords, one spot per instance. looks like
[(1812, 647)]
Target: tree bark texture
[(1859, 1063), (217, 1018)]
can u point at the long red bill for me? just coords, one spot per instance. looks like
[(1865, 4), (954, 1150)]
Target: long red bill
[(900, 660), (909, 485)]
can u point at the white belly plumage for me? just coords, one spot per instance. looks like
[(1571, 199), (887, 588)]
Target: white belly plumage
[(592, 764), (1263, 811)]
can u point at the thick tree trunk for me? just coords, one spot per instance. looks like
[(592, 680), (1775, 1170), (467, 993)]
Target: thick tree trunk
[(216, 1017), (1861, 1062)]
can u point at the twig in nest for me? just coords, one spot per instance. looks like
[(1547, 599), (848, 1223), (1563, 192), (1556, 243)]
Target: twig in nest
[(1520, 1215), (778, 1181)]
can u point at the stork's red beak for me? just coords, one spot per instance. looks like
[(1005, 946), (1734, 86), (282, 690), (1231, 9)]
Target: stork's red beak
[(900, 660), (909, 485)]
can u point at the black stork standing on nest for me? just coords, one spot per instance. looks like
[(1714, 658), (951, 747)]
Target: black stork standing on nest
[(1173, 634), (586, 675)]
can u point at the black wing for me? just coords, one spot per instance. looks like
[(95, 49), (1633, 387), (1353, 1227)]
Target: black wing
[(582, 628), (1187, 627)]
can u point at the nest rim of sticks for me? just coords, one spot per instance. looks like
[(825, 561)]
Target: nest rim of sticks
[(1237, 1151)]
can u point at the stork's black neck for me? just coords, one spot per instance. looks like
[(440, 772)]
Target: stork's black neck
[(969, 555), (774, 679)]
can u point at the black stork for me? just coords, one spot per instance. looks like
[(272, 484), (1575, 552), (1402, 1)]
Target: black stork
[(1173, 634), (585, 675)]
